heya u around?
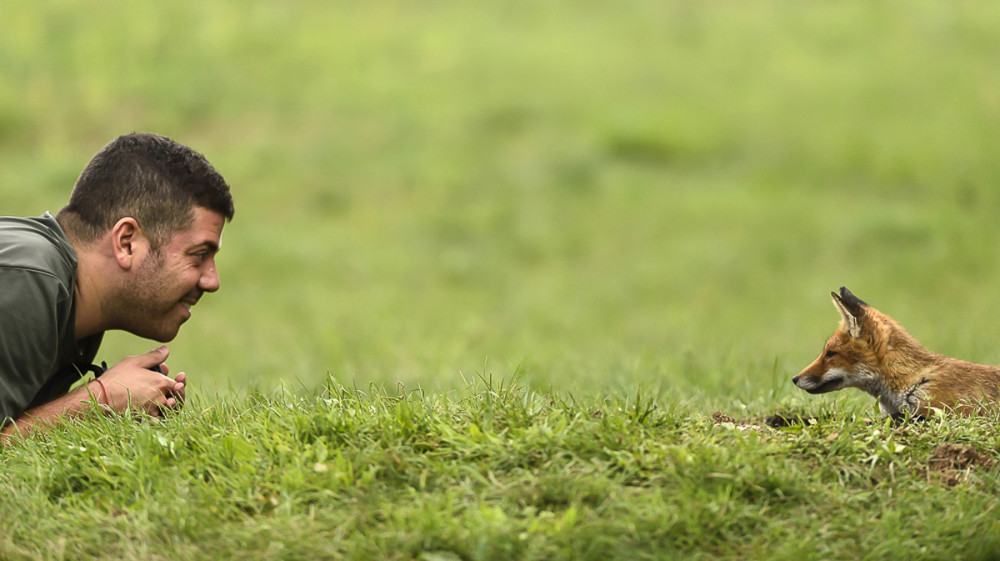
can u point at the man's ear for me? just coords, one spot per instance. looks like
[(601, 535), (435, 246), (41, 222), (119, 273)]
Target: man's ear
[(851, 309), (128, 243)]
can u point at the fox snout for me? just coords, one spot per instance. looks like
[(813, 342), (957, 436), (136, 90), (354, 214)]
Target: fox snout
[(818, 378), (829, 382)]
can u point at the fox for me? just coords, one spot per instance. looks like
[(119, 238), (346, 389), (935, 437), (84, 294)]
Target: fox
[(872, 352)]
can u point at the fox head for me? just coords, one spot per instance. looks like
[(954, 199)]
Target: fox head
[(854, 355)]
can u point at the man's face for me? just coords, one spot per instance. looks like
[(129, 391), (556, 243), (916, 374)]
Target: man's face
[(168, 282)]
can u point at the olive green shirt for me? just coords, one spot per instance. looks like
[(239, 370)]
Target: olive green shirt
[(40, 357)]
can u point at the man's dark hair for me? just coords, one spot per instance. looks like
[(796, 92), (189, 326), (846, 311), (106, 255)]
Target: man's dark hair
[(147, 177)]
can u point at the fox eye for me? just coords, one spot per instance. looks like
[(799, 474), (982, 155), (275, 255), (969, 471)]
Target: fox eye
[(830, 354)]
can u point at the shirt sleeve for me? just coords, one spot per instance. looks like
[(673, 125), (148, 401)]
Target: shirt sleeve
[(33, 304)]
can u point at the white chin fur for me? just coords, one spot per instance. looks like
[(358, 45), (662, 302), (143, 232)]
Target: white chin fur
[(836, 374)]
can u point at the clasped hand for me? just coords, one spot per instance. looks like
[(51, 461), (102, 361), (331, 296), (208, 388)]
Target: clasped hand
[(132, 382)]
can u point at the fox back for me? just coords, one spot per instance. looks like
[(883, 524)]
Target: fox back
[(873, 353)]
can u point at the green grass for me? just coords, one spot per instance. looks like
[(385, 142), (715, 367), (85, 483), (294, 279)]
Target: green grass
[(496, 472), (599, 200)]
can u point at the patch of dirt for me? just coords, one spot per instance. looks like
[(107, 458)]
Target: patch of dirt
[(776, 421), (958, 456), (951, 463), (779, 420), (722, 419)]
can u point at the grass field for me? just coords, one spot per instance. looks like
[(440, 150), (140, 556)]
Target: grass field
[(499, 473), (633, 212)]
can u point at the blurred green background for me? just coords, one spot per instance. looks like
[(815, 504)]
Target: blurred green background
[(594, 196)]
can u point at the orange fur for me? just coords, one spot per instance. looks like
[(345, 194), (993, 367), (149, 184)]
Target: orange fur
[(872, 352)]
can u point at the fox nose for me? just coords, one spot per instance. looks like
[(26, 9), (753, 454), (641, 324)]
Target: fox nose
[(795, 380)]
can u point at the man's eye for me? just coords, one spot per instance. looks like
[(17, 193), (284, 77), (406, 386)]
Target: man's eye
[(830, 354)]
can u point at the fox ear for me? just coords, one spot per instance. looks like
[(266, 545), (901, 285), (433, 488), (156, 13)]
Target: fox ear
[(851, 309), (854, 304)]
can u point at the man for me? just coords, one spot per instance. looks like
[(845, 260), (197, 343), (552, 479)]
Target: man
[(133, 250)]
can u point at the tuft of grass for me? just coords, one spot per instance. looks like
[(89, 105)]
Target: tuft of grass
[(498, 472)]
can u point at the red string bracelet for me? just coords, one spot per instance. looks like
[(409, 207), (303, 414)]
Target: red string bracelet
[(104, 391)]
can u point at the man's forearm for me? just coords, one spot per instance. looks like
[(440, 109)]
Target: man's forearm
[(48, 415)]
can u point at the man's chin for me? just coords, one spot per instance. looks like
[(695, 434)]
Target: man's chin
[(164, 335), (164, 339)]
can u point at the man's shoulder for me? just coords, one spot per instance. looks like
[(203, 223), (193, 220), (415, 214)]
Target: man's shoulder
[(35, 244)]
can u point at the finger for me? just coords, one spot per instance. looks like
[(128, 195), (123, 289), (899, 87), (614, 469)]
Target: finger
[(164, 369), (160, 404), (180, 396), (154, 357), (181, 378), (166, 387)]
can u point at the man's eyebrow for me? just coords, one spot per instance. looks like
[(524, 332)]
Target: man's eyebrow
[(211, 246)]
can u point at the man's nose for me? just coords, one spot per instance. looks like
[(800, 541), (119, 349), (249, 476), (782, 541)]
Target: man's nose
[(209, 281)]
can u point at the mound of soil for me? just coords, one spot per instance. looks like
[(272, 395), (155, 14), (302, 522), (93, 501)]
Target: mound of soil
[(951, 462), (958, 456)]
